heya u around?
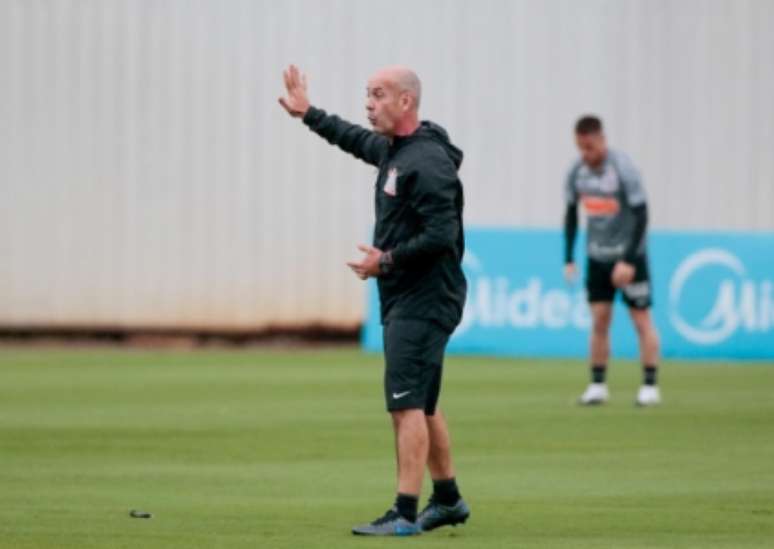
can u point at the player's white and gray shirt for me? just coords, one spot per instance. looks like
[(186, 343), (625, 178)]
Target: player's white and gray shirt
[(607, 195)]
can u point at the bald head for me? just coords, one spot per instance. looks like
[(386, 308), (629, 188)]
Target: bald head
[(402, 79), (394, 94)]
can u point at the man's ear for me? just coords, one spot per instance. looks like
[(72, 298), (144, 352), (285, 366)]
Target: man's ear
[(405, 101)]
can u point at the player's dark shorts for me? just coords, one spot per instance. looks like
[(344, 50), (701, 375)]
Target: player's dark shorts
[(413, 352), (599, 284)]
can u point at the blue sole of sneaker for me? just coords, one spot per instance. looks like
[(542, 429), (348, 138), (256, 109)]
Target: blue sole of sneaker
[(453, 523), (399, 533)]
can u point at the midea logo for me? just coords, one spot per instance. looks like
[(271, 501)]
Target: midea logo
[(495, 302)]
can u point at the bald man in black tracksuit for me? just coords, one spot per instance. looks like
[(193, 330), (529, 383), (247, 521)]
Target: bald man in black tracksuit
[(416, 258)]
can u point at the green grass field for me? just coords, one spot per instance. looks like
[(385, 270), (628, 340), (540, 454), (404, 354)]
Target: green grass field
[(267, 448)]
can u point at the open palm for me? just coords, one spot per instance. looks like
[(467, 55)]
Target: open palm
[(296, 101)]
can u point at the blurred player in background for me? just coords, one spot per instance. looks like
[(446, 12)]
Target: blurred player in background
[(609, 187), (416, 259)]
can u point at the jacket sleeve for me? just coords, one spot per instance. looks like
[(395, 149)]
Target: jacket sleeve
[(634, 193), (633, 188), (368, 146), (640, 224), (571, 213), (570, 232), (434, 196)]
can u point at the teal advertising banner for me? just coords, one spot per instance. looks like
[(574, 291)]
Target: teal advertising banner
[(713, 297)]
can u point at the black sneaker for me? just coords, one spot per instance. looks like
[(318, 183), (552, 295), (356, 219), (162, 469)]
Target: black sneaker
[(436, 515), (391, 524)]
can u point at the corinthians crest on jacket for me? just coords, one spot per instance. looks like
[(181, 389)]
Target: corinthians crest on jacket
[(391, 186)]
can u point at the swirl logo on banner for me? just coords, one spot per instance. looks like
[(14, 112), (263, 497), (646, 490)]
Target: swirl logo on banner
[(737, 302)]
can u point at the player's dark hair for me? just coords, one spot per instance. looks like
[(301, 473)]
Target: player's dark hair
[(587, 125)]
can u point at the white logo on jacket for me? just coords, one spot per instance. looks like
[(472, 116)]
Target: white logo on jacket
[(391, 185)]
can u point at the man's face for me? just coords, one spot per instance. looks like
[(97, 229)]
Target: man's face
[(385, 104), (593, 148)]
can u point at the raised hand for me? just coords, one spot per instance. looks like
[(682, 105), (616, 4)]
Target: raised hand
[(296, 101)]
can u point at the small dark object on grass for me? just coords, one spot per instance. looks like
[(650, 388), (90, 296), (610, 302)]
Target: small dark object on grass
[(140, 514)]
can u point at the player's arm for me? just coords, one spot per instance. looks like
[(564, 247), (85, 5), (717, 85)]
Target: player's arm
[(356, 140), (634, 194), (624, 270), (570, 226), (640, 213), (570, 232), (433, 194)]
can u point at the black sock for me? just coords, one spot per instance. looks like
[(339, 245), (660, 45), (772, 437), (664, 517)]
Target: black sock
[(407, 506), (649, 374), (446, 492), (598, 373)]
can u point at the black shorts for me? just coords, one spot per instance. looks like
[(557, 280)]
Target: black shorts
[(413, 353), (599, 284)]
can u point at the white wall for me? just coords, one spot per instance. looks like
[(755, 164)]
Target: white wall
[(149, 178)]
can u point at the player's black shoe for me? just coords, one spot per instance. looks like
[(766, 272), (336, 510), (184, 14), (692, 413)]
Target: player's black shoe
[(435, 515), (391, 524)]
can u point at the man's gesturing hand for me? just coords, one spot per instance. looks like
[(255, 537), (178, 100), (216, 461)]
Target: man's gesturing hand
[(369, 265), (296, 102)]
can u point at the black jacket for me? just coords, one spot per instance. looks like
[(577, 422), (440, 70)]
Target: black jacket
[(419, 201)]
